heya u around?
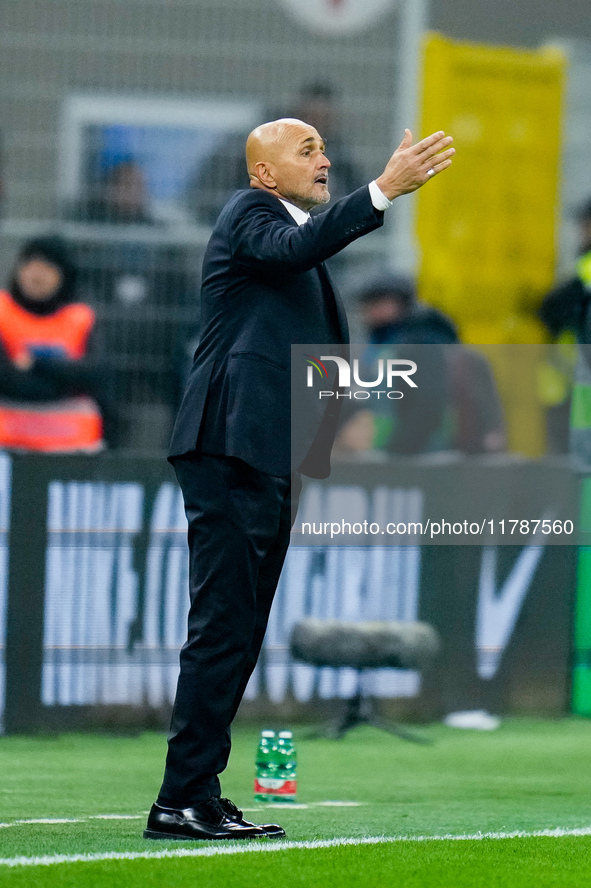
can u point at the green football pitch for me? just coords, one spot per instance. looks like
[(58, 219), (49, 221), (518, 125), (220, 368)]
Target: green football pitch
[(510, 807)]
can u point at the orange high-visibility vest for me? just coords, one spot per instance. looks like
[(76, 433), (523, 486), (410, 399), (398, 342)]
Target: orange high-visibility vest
[(58, 426)]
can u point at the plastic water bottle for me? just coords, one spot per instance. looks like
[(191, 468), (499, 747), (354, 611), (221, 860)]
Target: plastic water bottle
[(275, 768), (265, 766), (287, 767)]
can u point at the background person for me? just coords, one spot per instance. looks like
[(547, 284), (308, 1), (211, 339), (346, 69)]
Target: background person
[(224, 171), (119, 197), (392, 314), (50, 380), (140, 282), (566, 313), (566, 307), (318, 104), (456, 405)]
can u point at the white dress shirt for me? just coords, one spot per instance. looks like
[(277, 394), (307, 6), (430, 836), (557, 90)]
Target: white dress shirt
[(378, 199)]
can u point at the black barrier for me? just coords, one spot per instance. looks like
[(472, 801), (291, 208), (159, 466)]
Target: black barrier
[(97, 595), (96, 497)]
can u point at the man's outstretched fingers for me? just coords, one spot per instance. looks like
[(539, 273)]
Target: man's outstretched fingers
[(428, 142), (408, 168), (440, 156), (438, 147), (406, 140), (437, 168)]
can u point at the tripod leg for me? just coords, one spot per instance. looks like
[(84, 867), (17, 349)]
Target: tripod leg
[(351, 717), (356, 712), (397, 730)]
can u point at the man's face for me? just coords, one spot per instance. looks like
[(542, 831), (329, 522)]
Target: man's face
[(127, 188), (382, 311), (319, 112), (300, 167), (38, 279)]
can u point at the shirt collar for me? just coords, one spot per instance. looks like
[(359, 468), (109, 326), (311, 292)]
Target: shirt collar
[(300, 216)]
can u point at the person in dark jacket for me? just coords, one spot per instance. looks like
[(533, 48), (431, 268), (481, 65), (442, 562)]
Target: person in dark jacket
[(51, 382), (393, 316), (456, 405), (223, 172), (265, 288), (566, 307), (566, 313)]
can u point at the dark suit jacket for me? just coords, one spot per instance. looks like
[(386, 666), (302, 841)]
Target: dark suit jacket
[(265, 288)]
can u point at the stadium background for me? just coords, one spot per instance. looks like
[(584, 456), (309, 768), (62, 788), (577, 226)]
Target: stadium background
[(56, 53), (248, 56)]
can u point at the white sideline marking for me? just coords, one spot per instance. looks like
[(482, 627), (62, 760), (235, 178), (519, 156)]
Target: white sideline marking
[(271, 846), (283, 806), (290, 806), (116, 816), (74, 819), (338, 804), (42, 820)]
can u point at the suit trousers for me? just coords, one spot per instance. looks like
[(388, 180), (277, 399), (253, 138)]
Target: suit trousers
[(239, 525)]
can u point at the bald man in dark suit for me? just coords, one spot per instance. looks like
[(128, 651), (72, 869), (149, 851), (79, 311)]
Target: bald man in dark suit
[(265, 287)]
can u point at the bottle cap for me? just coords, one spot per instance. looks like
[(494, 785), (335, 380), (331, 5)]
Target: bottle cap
[(268, 734), (286, 735)]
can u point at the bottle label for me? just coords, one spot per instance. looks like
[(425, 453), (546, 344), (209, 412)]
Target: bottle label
[(275, 786)]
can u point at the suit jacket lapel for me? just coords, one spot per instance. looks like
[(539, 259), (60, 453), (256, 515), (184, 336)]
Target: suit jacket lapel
[(330, 291)]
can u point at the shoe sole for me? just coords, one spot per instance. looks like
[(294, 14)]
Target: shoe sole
[(154, 834)]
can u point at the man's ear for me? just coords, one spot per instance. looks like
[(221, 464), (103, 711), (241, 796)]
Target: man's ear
[(264, 175)]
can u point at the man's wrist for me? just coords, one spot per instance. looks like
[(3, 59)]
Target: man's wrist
[(378, 198)]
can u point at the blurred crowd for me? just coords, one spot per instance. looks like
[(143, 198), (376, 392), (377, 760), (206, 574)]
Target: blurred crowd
[(96, 334), (456, 405)]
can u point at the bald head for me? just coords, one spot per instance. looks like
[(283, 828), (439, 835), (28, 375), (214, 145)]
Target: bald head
[(287, 157), (268, 140)]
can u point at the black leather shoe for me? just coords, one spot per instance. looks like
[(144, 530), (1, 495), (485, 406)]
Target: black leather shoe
[(206, 820), (273, 830)]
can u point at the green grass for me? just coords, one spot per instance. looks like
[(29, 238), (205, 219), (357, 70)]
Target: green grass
[(526, 776)]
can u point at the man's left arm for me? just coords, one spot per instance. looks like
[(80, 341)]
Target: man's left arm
[(262, 236)]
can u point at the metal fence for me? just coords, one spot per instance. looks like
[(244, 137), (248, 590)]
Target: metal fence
[(225, 50), (123, 125)]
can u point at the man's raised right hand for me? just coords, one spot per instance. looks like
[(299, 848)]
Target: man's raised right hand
[(412, 165)]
